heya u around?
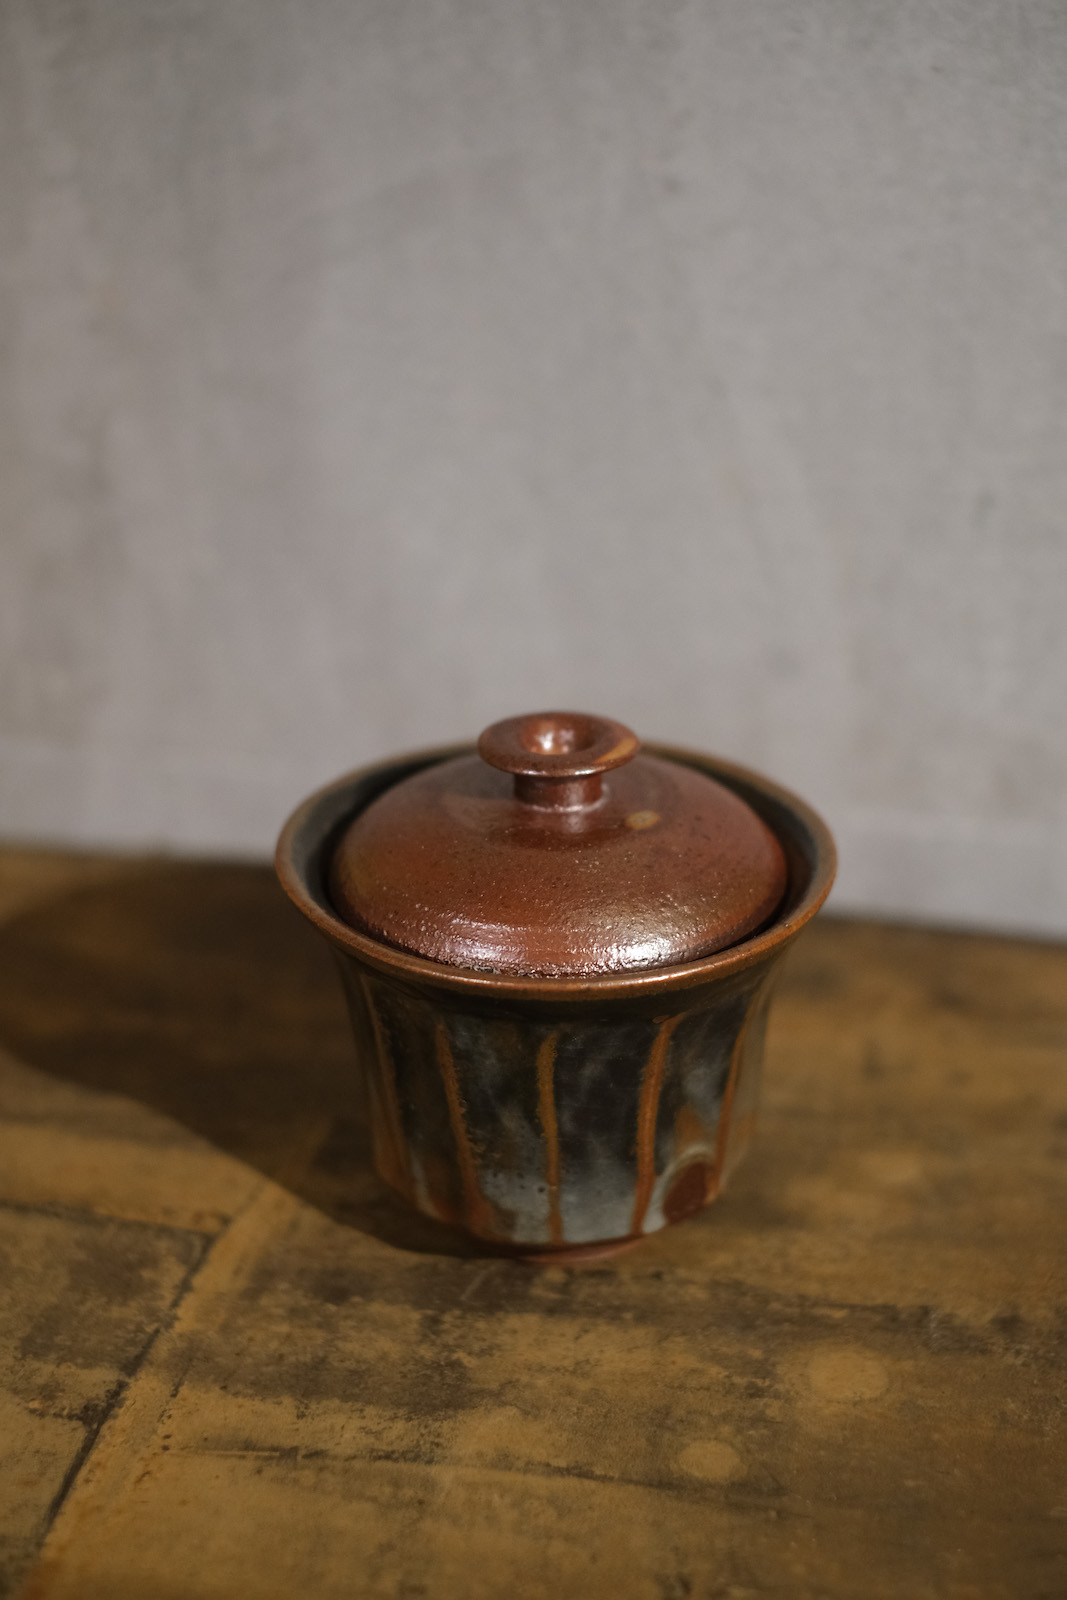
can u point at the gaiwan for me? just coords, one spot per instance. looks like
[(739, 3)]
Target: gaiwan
[(558, 951)]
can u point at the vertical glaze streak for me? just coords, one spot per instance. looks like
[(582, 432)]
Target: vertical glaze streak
[(651, 1084), (402, 1174), (475, 1206), (546, 1111), (722, 1131)]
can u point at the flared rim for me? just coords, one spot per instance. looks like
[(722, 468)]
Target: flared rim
[(312, 829)]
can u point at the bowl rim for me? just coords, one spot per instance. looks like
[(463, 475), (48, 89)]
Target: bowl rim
[(322, 815)]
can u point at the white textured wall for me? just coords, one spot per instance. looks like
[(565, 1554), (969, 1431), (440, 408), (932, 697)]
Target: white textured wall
[(375, 368)]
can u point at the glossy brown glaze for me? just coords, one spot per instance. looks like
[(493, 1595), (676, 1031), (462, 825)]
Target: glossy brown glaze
[(558, 852)]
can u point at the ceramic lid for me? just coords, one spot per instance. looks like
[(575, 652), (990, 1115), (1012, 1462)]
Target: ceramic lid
[(558, 851)]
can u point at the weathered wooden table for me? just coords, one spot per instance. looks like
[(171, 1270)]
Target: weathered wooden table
[(232, 1367)]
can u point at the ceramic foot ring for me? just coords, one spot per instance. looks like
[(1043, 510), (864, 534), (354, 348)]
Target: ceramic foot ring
[(558, 953)]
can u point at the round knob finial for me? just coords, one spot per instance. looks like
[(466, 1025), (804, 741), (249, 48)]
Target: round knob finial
[(558, 758)]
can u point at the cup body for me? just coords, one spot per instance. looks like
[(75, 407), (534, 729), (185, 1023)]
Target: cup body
[(547, 1115)]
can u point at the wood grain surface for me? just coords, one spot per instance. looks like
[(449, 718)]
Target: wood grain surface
[(232, 1366)]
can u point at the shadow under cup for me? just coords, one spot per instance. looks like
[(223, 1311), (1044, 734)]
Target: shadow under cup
[(554, 1117)]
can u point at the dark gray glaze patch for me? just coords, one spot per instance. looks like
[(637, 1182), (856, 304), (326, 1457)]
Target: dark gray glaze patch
[(698, 1067), (496, 1068), (599, 1074), (406, 1067)]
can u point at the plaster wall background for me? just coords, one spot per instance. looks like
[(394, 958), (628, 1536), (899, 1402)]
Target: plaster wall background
[(370, 369)]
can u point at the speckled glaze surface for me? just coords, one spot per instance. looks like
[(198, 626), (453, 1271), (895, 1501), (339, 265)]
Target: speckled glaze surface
[(548, 1115), (557, 851)]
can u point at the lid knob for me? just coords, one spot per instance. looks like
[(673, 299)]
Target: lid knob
[(558, 757)]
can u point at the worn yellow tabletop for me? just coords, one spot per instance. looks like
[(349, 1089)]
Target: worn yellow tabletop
[(231, 1366)]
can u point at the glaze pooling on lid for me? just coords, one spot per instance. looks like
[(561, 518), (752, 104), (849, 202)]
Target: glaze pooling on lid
[(558, 851)]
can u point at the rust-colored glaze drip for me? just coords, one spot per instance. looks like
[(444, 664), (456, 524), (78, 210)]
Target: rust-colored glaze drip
[(402, 1174), (651, 1083), (476, 1208), (723, 1129), (546, 1110)]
